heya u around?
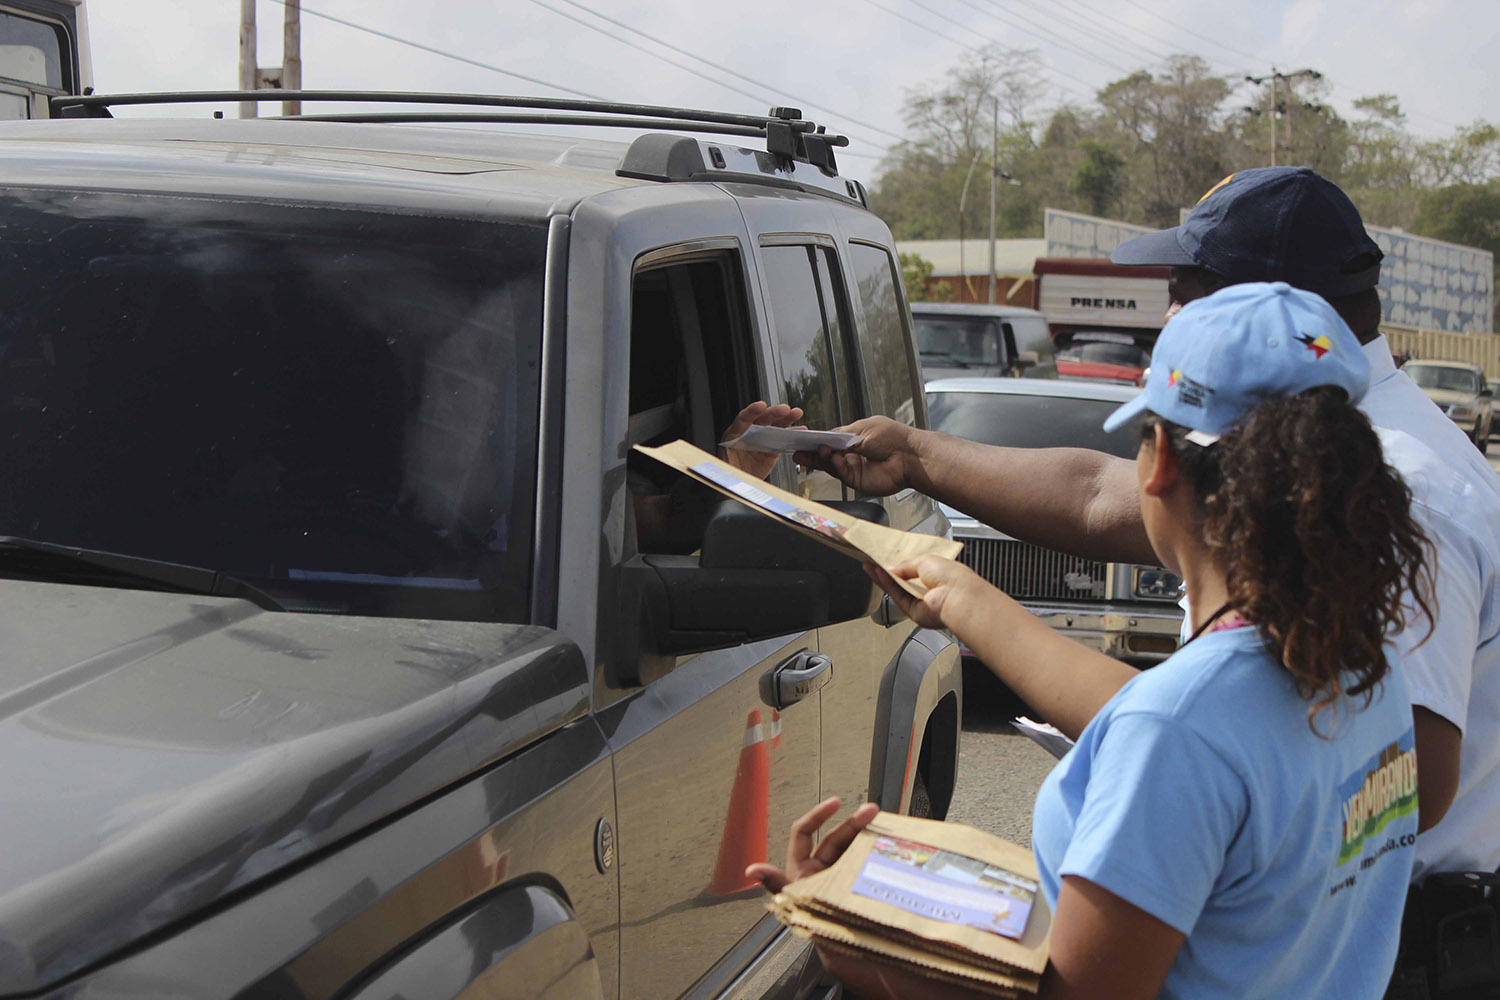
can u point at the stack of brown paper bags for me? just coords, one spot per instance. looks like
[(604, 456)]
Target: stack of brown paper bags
[(936, 899)]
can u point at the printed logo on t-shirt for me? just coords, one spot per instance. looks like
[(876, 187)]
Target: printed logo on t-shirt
[(1385, 789)]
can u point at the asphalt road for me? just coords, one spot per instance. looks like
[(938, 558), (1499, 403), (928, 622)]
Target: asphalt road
[(999, 770)]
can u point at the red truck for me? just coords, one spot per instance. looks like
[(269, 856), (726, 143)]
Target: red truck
[(1103, 317)]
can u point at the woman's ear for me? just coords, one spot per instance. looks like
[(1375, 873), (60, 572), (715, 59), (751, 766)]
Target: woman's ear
[(1162, 469)]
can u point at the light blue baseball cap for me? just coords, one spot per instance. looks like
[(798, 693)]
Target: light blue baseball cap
[(1226, 353)]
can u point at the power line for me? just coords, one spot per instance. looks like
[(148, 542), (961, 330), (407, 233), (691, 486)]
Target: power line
[(1260, 60), (1036, 31), (655, 55), (725, 69), (1088, 21), (446, 55), (963, 45), (764, 101)]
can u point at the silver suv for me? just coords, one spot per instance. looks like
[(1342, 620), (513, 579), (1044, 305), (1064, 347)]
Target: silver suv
[(349, 649)]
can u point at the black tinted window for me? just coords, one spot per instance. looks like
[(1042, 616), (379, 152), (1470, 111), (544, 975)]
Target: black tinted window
[(882, 341), (1017, 421), (802, 334), (339, 407)]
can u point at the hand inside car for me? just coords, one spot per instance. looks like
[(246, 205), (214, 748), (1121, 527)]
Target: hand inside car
[(758, 463), (877, 466)]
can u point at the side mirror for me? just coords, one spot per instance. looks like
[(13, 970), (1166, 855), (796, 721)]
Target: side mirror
[(754, 578), (1487, 392)]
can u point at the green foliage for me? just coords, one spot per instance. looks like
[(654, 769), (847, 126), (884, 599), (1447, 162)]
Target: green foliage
[(1152, 142), (915, 271), (1099, 178), (1467, 214)]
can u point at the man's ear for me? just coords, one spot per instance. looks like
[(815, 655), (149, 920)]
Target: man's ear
[(1163, 470)]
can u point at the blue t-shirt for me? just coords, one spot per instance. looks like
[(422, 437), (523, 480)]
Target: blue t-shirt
[(1200, 794)]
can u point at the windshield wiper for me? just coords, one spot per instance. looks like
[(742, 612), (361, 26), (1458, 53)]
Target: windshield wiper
[(48, 561)]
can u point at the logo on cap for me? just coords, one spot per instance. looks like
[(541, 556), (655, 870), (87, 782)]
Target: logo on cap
[(1216, 187), (1172, 379), (1319, 345)]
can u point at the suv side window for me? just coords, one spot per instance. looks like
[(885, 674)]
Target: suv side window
[(811, 325), (813, 372), (883, 337), (691, 370)]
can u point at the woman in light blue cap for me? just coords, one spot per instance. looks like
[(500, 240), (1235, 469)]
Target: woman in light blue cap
[(1239, 820)]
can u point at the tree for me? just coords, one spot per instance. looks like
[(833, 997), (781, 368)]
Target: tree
[(1170, 129), (1099, 179), (915, 271), (935, 185), (1467, 214)]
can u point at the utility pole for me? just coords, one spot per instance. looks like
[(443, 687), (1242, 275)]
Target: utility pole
[(1277, 107), (994, 176), (249, 73), (291, 55)]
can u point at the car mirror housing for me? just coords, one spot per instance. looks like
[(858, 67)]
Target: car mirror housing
[(753, 578)]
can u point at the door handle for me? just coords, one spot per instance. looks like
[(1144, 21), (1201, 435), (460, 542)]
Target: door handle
[(796, 677)]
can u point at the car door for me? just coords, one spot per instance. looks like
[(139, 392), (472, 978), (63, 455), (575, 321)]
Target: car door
[(709, 772), (806, 285)]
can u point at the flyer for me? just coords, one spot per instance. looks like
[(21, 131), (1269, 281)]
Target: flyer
[(856, 538)]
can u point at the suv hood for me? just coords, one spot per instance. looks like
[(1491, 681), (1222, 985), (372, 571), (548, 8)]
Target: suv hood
[(162, 750)]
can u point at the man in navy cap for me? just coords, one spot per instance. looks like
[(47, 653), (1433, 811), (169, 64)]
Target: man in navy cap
[(1270, 224)]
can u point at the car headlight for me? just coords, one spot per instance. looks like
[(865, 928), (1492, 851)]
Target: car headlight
[(1463, 411), (1152, 583)]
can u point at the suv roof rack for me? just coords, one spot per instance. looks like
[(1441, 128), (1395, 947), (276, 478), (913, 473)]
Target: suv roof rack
[(789, 137)]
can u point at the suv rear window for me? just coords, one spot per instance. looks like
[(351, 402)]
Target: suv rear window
[(336, 406)]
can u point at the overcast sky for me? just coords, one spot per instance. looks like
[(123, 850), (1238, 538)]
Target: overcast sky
[(853, 59)]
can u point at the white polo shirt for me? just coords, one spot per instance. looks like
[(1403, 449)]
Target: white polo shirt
[(1456, 672)]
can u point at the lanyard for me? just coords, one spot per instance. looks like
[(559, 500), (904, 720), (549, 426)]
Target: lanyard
[(1223, 609)]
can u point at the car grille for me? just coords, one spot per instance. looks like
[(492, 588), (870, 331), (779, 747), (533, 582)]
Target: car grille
[(1026, 571)]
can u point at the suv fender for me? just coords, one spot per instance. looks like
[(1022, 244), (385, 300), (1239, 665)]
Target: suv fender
[(917, 724)]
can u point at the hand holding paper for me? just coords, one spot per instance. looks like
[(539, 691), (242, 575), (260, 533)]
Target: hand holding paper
[(859, 539), (786, 440)]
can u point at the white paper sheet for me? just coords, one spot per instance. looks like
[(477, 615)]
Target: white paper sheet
[(785, 440)]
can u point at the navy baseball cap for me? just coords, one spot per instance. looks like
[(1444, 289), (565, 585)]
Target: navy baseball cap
[(1226, 353), (1269, 224)]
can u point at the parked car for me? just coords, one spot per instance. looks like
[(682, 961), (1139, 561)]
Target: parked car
[(1494, 387), (1105, 356), (338, 661), (1461, 391), (1126, 610), (956, 339)]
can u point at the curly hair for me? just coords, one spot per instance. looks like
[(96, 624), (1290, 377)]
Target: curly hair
[(1315, 536)]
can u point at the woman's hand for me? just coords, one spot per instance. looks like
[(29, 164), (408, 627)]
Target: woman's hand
[(802, 858), (950, 586), (758, 463), (877, 466)]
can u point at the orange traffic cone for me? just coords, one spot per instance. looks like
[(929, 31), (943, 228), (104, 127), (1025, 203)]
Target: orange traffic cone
[(745, 829)]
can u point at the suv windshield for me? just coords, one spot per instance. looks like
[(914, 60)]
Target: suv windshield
[(1106, 353), (335, 406), (958, 340), (1027, 421), (1440, 377)]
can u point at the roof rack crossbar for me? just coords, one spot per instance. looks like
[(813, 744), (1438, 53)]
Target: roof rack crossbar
[(60, 104), (621, 121)]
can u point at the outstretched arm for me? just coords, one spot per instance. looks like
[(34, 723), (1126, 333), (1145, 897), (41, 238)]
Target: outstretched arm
[(1064, 682), (1071, 499)]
